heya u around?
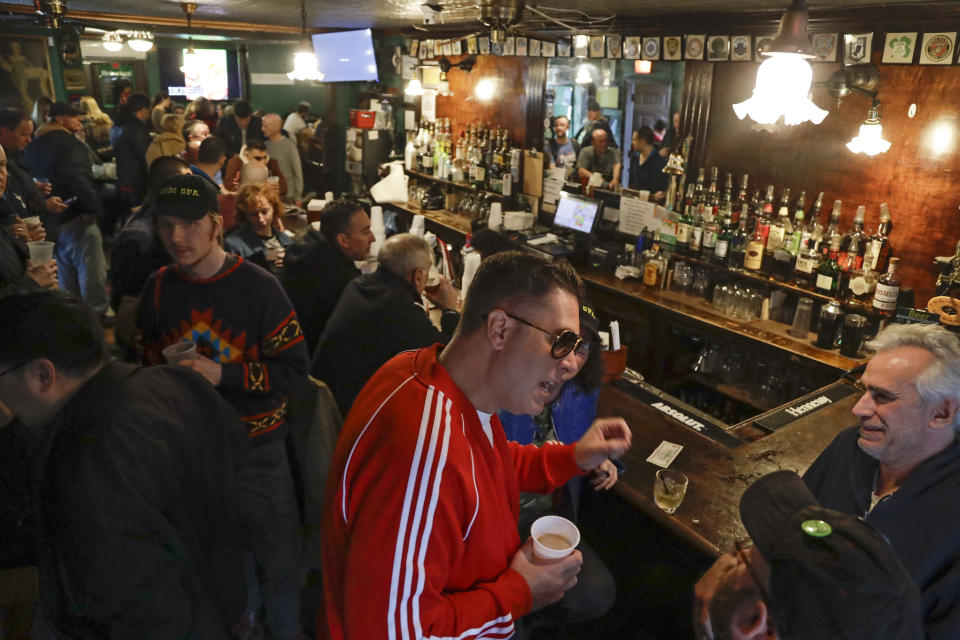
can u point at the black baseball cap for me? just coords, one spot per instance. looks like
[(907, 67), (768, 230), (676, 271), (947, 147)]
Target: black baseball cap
[(188, 196), (61, 109), (832, 575), (593, 105), (588, 320)]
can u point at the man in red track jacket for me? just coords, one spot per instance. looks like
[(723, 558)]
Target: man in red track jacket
[(420, 522)]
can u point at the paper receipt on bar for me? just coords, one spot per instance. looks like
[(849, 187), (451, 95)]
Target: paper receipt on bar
[(665, 453)]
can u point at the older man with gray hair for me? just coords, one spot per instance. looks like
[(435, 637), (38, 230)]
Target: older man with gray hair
[(899, 469), (381, 314), (285, 152)]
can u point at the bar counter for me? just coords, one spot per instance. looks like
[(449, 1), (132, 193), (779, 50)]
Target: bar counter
[(709, 517)]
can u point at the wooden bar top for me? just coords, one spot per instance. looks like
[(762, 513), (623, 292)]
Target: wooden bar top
[(709, 517)]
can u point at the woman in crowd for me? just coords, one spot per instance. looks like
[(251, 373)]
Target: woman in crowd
[(202, 109), (159, 108), (96, 129), (259, 237), (169, 141), (17, 273)]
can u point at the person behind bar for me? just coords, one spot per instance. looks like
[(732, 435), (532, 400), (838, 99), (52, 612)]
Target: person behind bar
[(813, 573), (420, 520), (565, 419), (136, 481), (899, 469), (600, 158)]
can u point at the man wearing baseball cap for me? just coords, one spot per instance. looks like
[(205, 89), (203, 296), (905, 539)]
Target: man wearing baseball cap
[(814, 573), (249, 346)]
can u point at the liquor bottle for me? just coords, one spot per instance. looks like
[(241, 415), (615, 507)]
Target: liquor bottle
[(700, 192), (654, 264), (409, 153), (828, 273), (721, 250), (888, 290), (766, 215), (696, 230), (741, 208), (813, 223), (495, 177), (685, 225), (708, 241), (753, 259), (854, 243), (879, 242), (738, 245), (808, 259), (833, 228), (775, 237), (793, 241), (726, 199), (480, 171)]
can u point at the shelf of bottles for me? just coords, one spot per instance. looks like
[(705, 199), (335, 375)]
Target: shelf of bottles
[(478, 158), (787, 245)]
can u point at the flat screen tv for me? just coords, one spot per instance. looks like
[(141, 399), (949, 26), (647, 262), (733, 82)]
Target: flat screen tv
[(214, 73), (346, 56)]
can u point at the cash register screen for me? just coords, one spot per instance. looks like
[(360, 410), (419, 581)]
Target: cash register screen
[(576, 214)]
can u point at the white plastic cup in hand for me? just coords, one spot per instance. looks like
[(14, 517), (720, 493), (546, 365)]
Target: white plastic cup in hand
[(273, 182), (32, 222), (433, 280), (40, 251), (554, 537), (179, 351)]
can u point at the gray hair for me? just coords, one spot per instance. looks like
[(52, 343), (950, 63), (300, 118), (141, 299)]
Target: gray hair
[(941, 379), (402, 253)]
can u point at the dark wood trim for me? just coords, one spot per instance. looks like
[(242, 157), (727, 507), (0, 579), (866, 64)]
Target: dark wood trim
[(535, 83), (695, 110)]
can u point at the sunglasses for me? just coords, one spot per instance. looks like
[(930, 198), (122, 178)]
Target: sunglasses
[(563, 342)]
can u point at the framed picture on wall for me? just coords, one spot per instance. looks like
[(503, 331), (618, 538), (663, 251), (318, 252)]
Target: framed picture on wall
[(857, 48), (483, 45), (938, 48), (740, 49), (25, 70), (651, 49), (509, 46), (761, 44), (535, 47), (693, 47), (447, 48), (563, 49), (899, 48), (458, 48), (472, 45), (672, 49), (718, 48), (825, 47), (496, 48), (521, 45), (414, 48), (548, 49), (597, 47), (631, 47), (614, 46)]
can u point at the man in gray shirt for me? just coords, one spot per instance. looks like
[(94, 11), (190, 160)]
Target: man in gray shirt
[(600, 158), (284, 151)]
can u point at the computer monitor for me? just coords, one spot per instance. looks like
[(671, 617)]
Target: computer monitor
[(576, 213)]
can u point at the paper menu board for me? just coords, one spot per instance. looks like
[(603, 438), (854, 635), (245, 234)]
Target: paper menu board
[(552, 186), (635, 214), (532, 169)]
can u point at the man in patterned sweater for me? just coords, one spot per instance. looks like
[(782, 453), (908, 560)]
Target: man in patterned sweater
[(249, 346), (420, 520)]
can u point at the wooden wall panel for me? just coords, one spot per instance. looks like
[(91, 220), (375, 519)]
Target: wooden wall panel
[(507, 109), (918, 183)]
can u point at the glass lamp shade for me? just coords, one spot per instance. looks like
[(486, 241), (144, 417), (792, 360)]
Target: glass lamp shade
[(414, 88), (112, 41), (783, 82), (141, 41), (870, 139), (305, 67), (583, 75), (192, 64)]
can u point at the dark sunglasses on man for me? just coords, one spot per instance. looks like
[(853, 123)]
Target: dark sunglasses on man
[(564, 342)]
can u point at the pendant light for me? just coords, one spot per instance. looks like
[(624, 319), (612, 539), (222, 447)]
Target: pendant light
[(305, 59), (141, 41), (870, 139), (112, 41), (783, 79), (191, 61)]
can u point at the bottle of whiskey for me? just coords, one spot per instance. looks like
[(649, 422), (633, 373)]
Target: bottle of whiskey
[(738, 245), (792, 242), (888, 290), (828, 273), (833, 228), (808, 259), (854, 243), (721, 250), (753, 258), (879, 243), (766, 215), (685, 226)]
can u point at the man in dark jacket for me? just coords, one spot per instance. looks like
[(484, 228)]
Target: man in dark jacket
[(318, 267), (135, 480), (239, 128), (381, 314), (130, 145), (900, 469), (59, 156), (25, 198)]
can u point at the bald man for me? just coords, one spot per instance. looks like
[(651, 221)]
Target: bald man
[(284, 151), (600, 158)]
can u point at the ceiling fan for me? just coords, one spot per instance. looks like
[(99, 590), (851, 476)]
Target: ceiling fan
[(502, 18), (52, 14)]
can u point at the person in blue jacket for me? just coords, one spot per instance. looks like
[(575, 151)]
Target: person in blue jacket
[(259, 237), (566, 419)]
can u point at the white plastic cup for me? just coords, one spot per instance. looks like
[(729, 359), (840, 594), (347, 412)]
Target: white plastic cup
[(554, 537), (40, 251), (32, 222), (328, 196), (376, 218), (179, 351)]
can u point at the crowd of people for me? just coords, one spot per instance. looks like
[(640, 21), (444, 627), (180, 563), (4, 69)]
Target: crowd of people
[(170, 493)]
